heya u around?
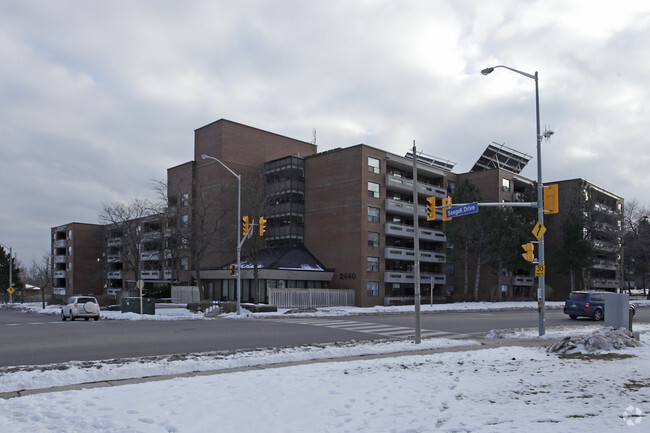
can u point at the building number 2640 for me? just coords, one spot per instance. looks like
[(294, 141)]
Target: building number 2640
[(347, 276)]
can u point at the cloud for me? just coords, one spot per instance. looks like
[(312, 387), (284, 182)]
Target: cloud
[(103, 97)]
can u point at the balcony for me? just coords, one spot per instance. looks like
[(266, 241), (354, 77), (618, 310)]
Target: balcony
[(115, 242), (409, 254), (114, 275), (406, 208), (407, 278), (59, 243), (149, 236), (150, 275), (608, 265), (59, 274), (521, 280), (397, 183), (602, 283), (168, 275), (604, 246), (404, 231), (59, 259), (150, 255), (114, 258)]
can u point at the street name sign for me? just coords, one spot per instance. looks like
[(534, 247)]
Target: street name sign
[(461, 210)]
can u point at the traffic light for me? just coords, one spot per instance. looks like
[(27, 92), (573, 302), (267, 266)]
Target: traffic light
[(245, 228), (262, 226), (529, 255), (431, 208), (551, 199), (231, 269), (446, 204)]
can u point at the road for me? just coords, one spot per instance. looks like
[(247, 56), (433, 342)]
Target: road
[(33, 339)]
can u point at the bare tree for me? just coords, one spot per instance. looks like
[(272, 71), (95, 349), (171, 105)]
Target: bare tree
[(125, 221), (256, 197), (196, 233)]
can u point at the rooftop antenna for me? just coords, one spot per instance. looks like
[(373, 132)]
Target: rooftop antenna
[(313, 140)]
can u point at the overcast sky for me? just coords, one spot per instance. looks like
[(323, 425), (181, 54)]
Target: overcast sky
[(100, 97)]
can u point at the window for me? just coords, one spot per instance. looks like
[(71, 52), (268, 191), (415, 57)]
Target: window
[(373, 239), (185, 199), (373, 214), (185, 221), (185, 264), (373, 264), (373, 189), (505, 185), (372, 288), (373, 165), (451, 187)]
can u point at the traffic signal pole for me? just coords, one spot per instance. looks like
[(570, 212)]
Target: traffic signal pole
[(416, 260)]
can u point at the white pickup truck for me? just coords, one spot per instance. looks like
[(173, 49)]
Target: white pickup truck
[(80, 306)]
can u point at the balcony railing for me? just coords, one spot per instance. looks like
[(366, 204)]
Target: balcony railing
[(150, 255), (60, 243), (406, 208), (407, 277), (397, 183), (59, 259), (409, 254), (168, 275), (609, 265), (59, 274), (603, 283), (404, 231), (150, 275), (114, 242), (520, 280), (148, 236), (605, 246), (114, 258), (115, 275)]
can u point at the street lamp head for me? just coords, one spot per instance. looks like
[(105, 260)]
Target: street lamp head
[(487, 71), (204, 156)]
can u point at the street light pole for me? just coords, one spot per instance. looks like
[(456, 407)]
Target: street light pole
[(238, 228), (541, 296)]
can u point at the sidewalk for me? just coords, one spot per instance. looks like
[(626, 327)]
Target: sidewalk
[(481, 345)]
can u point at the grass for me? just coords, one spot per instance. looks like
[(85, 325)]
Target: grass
[(596, 357)]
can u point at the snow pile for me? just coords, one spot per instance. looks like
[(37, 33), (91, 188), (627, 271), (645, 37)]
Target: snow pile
[(604, 339), (50, 375)]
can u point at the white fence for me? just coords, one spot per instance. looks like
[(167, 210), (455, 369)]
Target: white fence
[(185, 294), (301, 298)]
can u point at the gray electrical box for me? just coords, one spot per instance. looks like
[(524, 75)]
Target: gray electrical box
[(132, 305), (617, 310)]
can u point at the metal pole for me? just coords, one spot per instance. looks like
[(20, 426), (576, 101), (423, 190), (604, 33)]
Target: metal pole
[(416, 259), (238, 244), (238, 228), (540, 216), (11, 278), (541, 296)]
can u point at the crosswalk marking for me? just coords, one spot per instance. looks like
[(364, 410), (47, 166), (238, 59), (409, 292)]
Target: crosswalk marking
[(371, 328)]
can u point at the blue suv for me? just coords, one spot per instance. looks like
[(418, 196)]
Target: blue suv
[(588, 304)]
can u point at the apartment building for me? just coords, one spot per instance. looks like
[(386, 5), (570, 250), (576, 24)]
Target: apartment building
[(602, 213), (340, 220), (77, 259), (359, 219)]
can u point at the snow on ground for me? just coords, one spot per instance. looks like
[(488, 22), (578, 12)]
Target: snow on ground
[(490, 390)]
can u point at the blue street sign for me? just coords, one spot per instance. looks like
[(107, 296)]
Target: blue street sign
[(465, 209)]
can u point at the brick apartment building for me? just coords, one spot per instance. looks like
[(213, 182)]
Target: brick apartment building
[(340, 220)]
